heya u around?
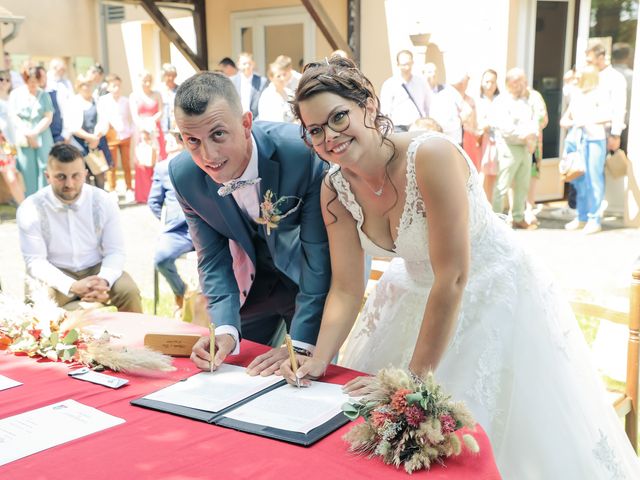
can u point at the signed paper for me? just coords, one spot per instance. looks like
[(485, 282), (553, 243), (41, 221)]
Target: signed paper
[(36, 430), (6, 382), (214, 391), (294, 409)]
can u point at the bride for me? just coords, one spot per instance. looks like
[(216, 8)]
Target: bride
[(461, 296)]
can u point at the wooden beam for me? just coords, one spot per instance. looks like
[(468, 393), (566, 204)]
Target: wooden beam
[(353, 29), (200, 28), (326, 26), (198, 60)]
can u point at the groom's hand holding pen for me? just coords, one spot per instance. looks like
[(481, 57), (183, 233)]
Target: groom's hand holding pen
[(210, 351)]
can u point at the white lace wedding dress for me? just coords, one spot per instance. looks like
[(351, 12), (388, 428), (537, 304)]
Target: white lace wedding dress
[(517, 358)]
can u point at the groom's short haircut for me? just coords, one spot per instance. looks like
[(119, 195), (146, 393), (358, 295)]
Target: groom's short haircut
[(194, 94), (64, 153)]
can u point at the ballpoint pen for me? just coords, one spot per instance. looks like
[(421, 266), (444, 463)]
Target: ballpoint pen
[(292, 357), (212, 344)]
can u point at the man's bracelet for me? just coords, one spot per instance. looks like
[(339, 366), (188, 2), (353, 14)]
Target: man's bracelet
[(302, 351)]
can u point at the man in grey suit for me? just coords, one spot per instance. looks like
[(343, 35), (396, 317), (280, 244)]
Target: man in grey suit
[(248, 85), (253, 275)]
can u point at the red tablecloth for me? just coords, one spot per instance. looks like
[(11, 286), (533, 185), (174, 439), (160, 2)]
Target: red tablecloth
[(162, 446)]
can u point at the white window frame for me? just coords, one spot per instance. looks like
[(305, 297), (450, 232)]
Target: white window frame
[(257, 20)]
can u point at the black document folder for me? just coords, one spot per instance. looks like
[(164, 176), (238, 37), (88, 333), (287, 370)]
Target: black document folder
[(219, 418)]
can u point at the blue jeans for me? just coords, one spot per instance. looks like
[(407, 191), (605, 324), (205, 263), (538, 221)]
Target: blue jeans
[(590, 186), (170, 246)]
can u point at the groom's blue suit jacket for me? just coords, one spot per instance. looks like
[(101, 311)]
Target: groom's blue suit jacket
[(298, 246)]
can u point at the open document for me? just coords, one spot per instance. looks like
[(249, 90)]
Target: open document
[(214, 391), (36, 430), (6, 382), (265, 406)]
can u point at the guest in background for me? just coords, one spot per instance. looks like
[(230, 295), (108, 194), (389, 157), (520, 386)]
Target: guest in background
[(88, 124), (621, 55), (95, 73), (228, 67), (488, 150), (31, 114), (431, 74), (8, 142), (291, 76), (449, 107), (587, 115), (174, 239), (614, 86), (71, 238), (539, 108), (146, 111), (117, 112), (274, 102), (516, 127), (248, 85), (57, 127), (471, 136), (16, 78), (404, 97), (168, 92), (58, 82)]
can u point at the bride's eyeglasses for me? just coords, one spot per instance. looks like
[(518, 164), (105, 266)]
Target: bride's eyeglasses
[(316, 134)]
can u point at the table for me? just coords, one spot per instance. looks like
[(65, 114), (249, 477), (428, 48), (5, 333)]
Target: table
[(158, 445)]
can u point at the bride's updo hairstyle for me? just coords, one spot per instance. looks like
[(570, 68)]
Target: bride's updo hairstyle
[(341, 77)]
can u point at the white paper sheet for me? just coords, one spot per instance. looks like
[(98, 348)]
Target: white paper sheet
[(292, 408), (6, 382), (36, 430), (215, 391)]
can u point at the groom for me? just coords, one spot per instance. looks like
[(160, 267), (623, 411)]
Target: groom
[(253, 275)]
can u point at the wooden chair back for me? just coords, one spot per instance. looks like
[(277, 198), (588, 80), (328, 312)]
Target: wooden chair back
[(625, 404)]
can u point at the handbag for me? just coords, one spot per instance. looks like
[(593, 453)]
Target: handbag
[(616, 165), (572, 166), (96, 162)]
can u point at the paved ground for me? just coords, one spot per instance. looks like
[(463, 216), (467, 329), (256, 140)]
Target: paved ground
[(599, 264)]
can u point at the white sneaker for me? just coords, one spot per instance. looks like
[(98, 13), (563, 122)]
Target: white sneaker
[(129, 196), (574, 224), (564, 213), (591, 227)]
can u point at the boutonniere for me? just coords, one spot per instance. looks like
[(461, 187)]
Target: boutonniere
[(270, 213)]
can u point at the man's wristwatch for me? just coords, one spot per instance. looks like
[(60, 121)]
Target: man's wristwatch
[(302, 351)]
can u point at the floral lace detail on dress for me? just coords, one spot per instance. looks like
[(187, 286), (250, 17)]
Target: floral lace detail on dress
[(605, 455)]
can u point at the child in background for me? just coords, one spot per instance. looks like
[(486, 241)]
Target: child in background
[(146, 157)]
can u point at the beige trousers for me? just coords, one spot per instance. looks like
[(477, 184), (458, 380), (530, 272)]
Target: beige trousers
[(124, 293)]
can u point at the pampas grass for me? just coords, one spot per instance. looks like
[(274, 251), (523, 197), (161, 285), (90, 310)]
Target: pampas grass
[(124, 359)]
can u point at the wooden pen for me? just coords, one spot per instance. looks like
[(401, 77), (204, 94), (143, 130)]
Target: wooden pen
[(292, 357), (212, 344)]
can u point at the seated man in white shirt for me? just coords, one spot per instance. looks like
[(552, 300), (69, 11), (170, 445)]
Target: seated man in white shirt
[(71, 238)]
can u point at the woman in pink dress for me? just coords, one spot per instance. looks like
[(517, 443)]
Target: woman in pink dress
[(146, 111), (489, 154)]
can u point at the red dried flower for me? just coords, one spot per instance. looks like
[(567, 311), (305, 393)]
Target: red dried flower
[(447, 423), (414, 415), (398, 401), (35, 333), (378, 418)]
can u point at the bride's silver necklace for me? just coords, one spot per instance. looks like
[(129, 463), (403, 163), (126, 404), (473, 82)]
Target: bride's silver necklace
[(378, 193)]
